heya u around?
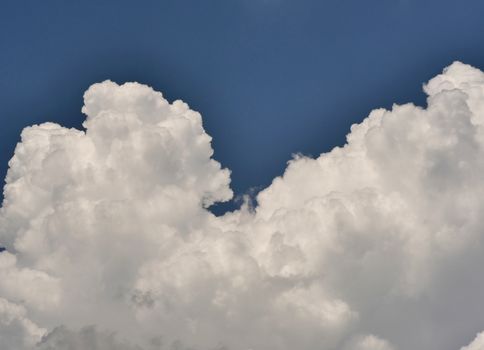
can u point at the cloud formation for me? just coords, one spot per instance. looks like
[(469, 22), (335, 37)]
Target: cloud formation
[(376, 245), (477, 344)]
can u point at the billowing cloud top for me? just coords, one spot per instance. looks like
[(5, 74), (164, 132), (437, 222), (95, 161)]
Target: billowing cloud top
[(377, 245)]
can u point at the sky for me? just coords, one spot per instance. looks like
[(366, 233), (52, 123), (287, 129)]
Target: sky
[(357, 128), (271, 77)]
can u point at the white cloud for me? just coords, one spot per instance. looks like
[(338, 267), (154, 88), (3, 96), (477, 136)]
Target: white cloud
[(477, 344), (376, 245), (369, 342), (88, 338), (17, 331)]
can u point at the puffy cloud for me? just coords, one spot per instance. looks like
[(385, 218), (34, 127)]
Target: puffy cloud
[(369, 342), (87, 338), (477, 344), (16, 330), (376, 245), (16, 283)]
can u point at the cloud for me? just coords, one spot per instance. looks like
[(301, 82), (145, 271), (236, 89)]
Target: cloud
[(87, 338), (16, 330), (368, 342), (477, 344), (374, 245)]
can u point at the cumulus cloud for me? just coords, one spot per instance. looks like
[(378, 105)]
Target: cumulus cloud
[(477, 344), (87, 338), (16, 330), (368, 342), (376, 245)]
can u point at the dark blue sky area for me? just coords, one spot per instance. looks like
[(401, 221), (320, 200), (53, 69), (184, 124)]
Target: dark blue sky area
[(270, 77)]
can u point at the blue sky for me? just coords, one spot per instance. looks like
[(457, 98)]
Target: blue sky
[(270, 77)]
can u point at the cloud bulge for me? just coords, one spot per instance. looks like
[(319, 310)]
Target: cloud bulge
[(376, 245)]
